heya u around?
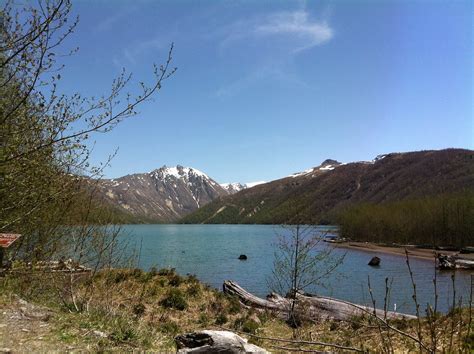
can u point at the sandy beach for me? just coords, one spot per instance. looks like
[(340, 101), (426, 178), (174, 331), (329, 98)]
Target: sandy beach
[(424, 253)]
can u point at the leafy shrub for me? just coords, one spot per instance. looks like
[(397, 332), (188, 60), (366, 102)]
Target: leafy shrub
[(174, 299), (218, 306), (147, 276), (221, 319), (234, 304), (138, 309), (469, 342), (151, 290), (169, 327), (203, 319), (194, 289), (116, 277), (264, 316), (137, 273), (294, 321), (123, 331), (166, 271), (192, 278), (238, 323), (175, 280), (250, 326), (153, 271)]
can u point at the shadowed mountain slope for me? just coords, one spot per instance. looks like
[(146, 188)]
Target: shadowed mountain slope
[(317, 194), (163, 195)]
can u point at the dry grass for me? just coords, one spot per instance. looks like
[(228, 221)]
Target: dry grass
[(132, 309)]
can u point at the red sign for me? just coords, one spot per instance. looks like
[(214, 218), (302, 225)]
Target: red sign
[(7, 239)]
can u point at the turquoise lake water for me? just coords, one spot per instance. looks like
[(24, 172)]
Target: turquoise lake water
[(211, 253)]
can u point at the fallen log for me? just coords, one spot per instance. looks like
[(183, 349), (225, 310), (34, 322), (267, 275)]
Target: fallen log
[(309, 306), (449, 262)]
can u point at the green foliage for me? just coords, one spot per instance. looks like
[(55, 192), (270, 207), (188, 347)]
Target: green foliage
[(175, 280), (238, 322), (194, 289), (469, 341), (431, 221), (192, 278), (166, 271), (203, 319), (117, 277), (169, 327), (153, 271), (221, 319), (322, 197), (234, 304), (46, 179), (123, 330), (138, 310), (174, 299), (250, 326)]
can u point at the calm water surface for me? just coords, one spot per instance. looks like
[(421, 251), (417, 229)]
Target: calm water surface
[(211, 252)]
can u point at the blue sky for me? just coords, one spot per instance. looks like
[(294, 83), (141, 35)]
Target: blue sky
[(267, 88)]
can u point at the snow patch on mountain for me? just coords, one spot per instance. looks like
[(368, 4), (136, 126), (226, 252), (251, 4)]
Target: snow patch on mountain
[(253, 184), (298, 174), (237, 187), (327, 168), (233, 187), (166, 193), (327, 165)]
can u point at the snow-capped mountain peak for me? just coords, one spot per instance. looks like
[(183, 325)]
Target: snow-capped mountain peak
[(166, 193), (178, 172)]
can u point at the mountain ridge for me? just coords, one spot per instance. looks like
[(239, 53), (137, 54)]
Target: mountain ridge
[(164, 194), (321, 191)]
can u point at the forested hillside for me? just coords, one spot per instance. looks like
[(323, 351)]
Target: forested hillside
[(321, 194)]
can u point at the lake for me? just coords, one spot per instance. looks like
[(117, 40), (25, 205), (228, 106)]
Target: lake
[(211, 253)]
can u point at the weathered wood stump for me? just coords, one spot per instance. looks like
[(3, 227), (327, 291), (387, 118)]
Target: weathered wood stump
[(308, 306), (214, 342)]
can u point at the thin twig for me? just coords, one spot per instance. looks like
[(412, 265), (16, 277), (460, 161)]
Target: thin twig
[(382, 338), (453, 312), (470, 308), (415, 299), (287, 349), (295, 341)]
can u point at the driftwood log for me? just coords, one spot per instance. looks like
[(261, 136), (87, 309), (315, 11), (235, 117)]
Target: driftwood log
[(454, 262), (308, 306)]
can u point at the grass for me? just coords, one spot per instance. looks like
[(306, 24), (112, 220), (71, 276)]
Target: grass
[(137, 310)]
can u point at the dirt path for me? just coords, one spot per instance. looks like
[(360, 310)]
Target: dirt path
[(26, 328)]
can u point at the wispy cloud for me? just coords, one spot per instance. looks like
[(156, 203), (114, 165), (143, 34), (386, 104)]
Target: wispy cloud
[(272, 41), (296, 24)]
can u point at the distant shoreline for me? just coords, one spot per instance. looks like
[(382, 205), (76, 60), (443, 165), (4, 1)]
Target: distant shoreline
[(413, 252)]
